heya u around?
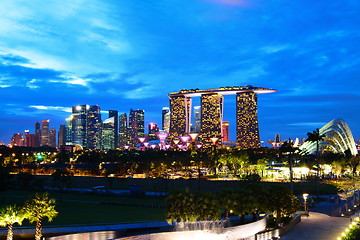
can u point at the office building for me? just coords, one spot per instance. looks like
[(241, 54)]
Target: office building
[(79, 125), (114, 113), (68, 129), (44, 133), (197, 119), (136, 126), (108, 134), (153, 129), (94, 127), (164, 111), (62, 136), (52, 137), (123, 131), (17, 140), (180, 115), (38, 134), (225, 131), (30, 140)]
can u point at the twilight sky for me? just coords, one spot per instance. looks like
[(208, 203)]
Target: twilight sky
[(131, 54)]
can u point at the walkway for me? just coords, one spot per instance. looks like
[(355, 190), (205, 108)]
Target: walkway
[(318, 226)]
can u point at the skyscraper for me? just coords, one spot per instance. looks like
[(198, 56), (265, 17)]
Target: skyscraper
[(44, 133), (247, 131), (225, 131), (38, 134), (197, 119), (30, 140), (164, 111), (211, 118), (17, 140), (123, 130), (94, 127), (62, 136), (167, 122), (108, 134), (114, 113), (180, 115), (136, 126), (68, 129), (52, 137), (152, 130), (79, 125)]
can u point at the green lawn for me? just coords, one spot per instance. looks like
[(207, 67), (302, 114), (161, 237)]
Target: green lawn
[(86, 209)]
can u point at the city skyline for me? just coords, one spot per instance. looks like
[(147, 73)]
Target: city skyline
[(122, 55)]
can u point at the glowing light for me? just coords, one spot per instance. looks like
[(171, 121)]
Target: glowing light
[(184, 139), (162, 136), (179, 146), (214, 140), (176, 141), (126, 147), (199, 145), (146, 144), (193, 136), (153, 146), (305, 195), (141, 139), (187, 144), (167, 146)]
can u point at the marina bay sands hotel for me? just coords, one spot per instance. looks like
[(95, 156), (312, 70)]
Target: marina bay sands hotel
[(212, 100)]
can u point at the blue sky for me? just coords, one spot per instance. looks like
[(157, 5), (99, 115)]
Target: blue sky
[(131, 54)]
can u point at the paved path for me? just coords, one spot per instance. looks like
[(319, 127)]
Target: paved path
[(318, 226)]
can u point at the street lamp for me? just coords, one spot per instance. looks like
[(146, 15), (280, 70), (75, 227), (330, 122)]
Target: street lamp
[(305, 195)]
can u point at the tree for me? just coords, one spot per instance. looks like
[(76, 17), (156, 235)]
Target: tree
[(261, 165), (315, 136), (288, 148), (38, 208), (10, 215), (282, 202)]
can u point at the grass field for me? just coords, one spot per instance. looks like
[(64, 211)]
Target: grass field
[(86, 209)]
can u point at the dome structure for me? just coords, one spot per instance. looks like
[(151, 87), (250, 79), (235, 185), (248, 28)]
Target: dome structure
[(338, 138)]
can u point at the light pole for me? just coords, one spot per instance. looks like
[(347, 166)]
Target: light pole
[(305, 195)]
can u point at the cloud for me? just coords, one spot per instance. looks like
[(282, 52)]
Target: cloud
[(52, 108)]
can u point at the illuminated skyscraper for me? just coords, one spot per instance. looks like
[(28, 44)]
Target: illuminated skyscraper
[(17, 140), (164, 111), (197, 119), (123, 130), (180, 115), (44, 133), (136, 126), (62, 136), (152, 130), (108, 134), (211, 118), (94, 127), (68, 129), (167, 122), (247, 130), (114, 113), (79, 125), (38, 134), (52, 137), (225, 131)]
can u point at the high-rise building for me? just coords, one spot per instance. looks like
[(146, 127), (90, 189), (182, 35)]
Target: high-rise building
[(247, 130), (62, 136), (38, 134), (114, 113), (79, 125), (167, 122), (30, 140), (17, 140), (225, 131), (277, 138), (197, 119), (52, 137), (44, 133), (164, 111), (108, 134), (123, 130), (211, 118), (136, 126), (94, 127), (153, 130), (68, 129), (180, 115)]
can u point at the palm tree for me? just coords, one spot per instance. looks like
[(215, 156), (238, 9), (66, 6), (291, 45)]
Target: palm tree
[(289, 149), (315, 136), (38, 208), (10, 215)]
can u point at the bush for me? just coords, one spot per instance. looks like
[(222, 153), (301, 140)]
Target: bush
[(353, 234)]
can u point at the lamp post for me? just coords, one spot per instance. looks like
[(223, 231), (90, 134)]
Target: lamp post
[(305, 195)]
